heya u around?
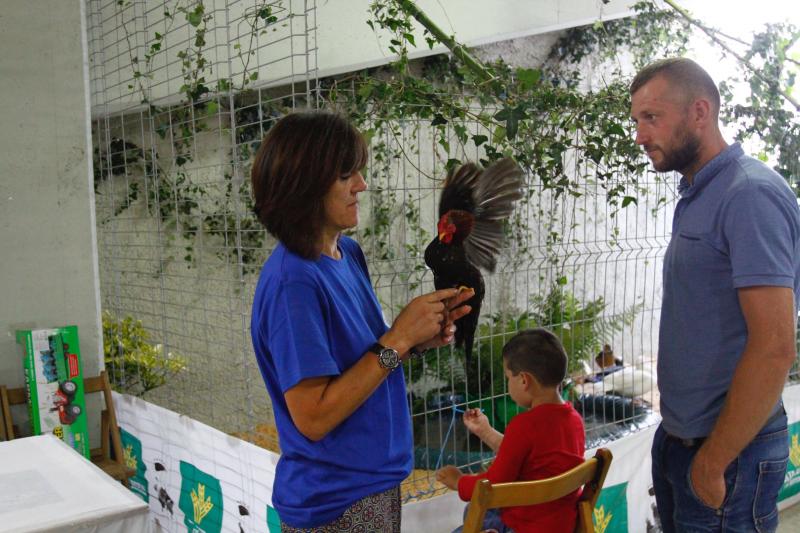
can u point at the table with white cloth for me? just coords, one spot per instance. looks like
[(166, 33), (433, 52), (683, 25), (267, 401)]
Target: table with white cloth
[(47, 486)]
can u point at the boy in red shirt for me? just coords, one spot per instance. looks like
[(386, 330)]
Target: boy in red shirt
[(542, 442)]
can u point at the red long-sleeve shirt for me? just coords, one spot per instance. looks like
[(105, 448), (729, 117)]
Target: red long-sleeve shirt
[(544, 442)]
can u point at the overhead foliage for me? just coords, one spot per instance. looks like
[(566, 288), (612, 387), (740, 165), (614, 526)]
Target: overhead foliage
[(573, 140)]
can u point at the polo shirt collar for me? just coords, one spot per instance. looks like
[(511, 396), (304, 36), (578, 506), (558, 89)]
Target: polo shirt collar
[(711, 169)]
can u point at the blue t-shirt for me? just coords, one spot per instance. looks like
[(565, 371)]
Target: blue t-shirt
[(318, 318), (737, 225)]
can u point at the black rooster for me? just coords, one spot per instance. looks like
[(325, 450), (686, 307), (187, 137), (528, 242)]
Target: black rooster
[(473, 207)]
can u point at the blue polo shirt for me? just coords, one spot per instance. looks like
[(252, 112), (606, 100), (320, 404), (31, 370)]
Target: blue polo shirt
[(737, 225)]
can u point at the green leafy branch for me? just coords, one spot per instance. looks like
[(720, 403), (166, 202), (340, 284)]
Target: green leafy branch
[(134, 364)]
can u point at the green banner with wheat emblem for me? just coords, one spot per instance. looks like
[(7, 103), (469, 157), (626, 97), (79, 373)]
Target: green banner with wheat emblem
[(791, 483), (132, 452), (611, 511), (201, 500)]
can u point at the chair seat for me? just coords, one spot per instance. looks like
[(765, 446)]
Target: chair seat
[(114, 469)]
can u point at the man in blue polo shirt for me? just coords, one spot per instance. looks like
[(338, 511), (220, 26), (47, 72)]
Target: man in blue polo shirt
[(727, 337)]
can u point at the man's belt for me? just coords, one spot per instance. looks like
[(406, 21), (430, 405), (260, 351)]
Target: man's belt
[(696, 442)]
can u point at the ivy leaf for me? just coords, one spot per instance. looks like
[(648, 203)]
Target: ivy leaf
[(194, 17), (616, 129), (438, 120), (512, 125), (528, 77), (461, 132), (479, 139), (211, 108), (451, 164), (627, 200), (162, 130), (410, 38), (502, 115), (562, 281), (499, 135), (365, 90)]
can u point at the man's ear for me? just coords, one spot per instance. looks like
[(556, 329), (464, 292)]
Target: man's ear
[(701, 109)]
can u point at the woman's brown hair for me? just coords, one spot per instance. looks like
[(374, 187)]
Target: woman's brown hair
[(296, 164)]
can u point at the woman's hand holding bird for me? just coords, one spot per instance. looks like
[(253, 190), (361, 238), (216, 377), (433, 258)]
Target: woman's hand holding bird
[(427, 321)]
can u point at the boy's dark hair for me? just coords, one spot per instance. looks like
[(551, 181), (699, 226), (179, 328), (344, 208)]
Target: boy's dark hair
[(683, 75), (539, 352), (298, 161)]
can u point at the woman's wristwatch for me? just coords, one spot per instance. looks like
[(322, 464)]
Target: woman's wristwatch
[(387, 357)]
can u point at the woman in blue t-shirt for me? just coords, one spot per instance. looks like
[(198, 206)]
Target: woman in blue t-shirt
[(324, 350)]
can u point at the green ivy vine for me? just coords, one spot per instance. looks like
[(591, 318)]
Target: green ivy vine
[(537, 115), (171, 193)]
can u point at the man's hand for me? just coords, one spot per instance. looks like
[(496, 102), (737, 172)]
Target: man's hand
[(707, 479), (449, 476)]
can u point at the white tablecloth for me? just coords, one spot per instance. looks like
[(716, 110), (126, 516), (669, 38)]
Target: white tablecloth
[(47, 486)]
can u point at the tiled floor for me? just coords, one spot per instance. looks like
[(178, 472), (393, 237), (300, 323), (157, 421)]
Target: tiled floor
[(790, 520)]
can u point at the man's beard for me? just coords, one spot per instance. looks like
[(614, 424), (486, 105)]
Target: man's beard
[(682, 156)]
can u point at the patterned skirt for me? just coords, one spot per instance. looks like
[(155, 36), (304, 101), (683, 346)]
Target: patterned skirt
[(377, 513)]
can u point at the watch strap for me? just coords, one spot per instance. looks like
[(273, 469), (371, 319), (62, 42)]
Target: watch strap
[(416, 352), (376, 348)]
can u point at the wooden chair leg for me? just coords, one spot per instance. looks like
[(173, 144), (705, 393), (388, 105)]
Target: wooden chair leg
[(585, 523), (116, 440), (105, 434), (7, 428)]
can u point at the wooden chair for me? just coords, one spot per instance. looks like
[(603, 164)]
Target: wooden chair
[(590, 475), (110, 440)]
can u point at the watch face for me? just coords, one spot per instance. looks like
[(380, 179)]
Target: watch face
[(389, 358)]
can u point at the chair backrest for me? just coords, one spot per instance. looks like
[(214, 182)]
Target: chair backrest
[(590, 475), (9, 397)]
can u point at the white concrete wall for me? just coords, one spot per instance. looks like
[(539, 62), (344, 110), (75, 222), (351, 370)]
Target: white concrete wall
[(343, 41), (48, 271)]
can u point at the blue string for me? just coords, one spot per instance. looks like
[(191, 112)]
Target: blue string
[(447, 435), (455, 409)]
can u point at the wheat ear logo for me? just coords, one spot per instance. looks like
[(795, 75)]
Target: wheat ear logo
[(602, 519), (202, 504), (794, 451), (130, 457)]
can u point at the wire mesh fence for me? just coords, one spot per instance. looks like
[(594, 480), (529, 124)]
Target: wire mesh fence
[(177, 105), (180, 105), (579, 266)]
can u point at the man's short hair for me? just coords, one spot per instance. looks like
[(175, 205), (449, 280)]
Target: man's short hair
[(684, 75), (539, 352)]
